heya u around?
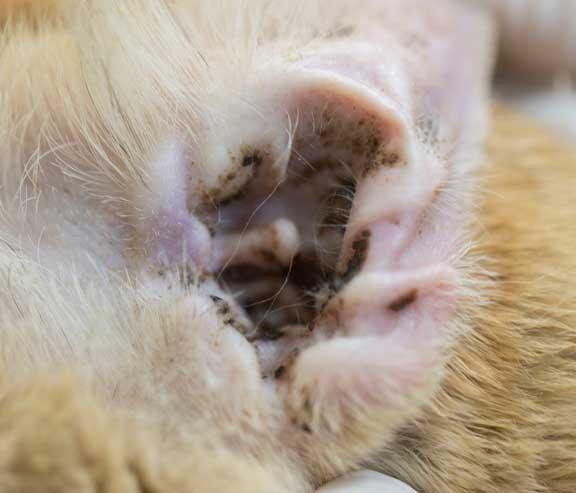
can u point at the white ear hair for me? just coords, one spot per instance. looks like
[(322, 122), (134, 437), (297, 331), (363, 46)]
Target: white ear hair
[(366, 482)]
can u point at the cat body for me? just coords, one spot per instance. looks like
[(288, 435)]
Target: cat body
[(165, 166)]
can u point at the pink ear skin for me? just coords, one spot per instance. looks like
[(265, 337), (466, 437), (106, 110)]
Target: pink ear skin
[(381, 337), (417, 302), (170, 233), (396, 113), (346, 396)]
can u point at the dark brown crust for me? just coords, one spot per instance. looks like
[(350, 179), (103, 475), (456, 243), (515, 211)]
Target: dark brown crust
[(404, 302)]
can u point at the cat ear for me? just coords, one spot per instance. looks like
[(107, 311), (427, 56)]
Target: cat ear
[(363, 103), (383, 331)]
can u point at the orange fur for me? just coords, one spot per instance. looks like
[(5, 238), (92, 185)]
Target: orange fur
[(57, 439), (29, 9), (502, 421)]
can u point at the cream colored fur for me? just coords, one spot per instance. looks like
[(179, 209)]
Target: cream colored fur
[(175, 412)]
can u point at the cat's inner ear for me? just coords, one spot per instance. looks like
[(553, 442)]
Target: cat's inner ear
[(328, 203)]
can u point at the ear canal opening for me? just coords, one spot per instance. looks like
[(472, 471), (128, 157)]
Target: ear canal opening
[(282, 251)]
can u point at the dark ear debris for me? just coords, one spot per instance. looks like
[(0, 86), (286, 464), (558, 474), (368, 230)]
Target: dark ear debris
[(359, 251), (391, 159), (233, 198), (306, 429), (341, 32), (380, 159), (404, 301), (252, 159), (222, 305), (284, 370), (224, 310)]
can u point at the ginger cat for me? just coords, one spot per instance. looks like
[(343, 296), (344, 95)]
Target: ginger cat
[(254, 245)]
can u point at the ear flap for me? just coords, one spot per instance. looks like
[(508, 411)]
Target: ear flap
[(421, 83), (405, 119)]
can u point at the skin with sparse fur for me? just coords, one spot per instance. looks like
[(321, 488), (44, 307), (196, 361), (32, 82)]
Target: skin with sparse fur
[(138, 142)]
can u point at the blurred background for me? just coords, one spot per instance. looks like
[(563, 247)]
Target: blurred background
[(537, 68)]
